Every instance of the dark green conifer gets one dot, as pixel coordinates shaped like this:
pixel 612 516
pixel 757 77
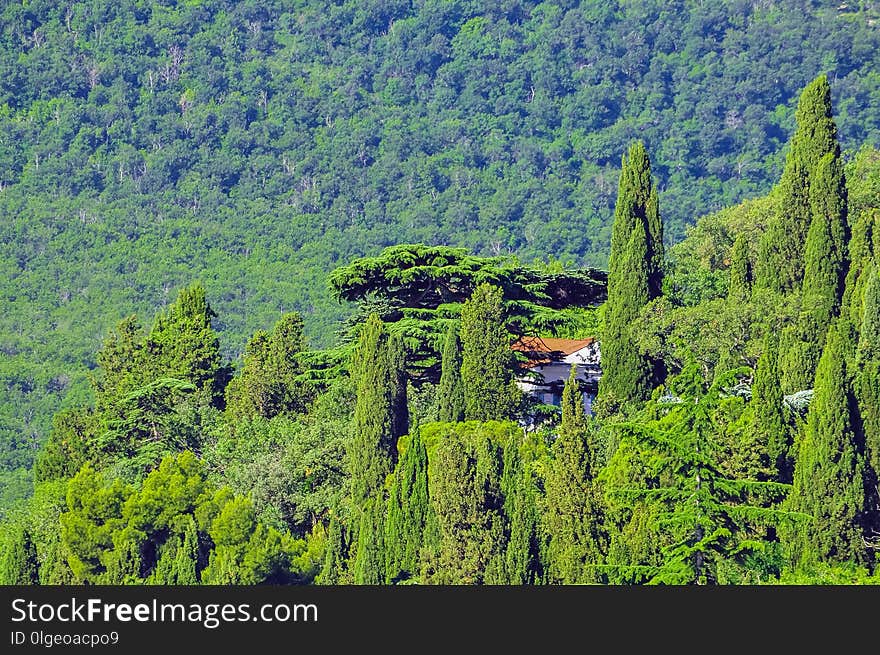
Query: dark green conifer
pixel 572 515
pixel 522 558
pixel 450 393
pixel 635 277
pixel 408 506
pixel 183 345
pixel 829 473
pixel 369 563
pixel 378 416
pixel 487 360
pixel 868 376
pixel 825 268
pixel 770 427
pixel 781 261
pixel 268 384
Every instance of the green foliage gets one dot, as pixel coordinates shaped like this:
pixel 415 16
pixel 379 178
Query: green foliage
pixel 465 467
pixel 781 265
pixel 867 380
pixel 18 560
pixel 183 345
pixel 522 559
pixel 829 474
pixel 675 514
pixel 487 362
pixel 450 392
pixel 175 527
pixel 379 415
pixel 740 286
pixel 634 278
pixel 771 429
pixel 270 382
pixel 572 511
pixel 408 510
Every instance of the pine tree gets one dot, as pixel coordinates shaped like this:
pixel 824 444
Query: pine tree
pixel 18 563
pixel 487 359
pixel 770 427
pixel 183 345
pixel 572 513
pixel 740 287
pixel 408 507
pixel 635 277
pixel 451 392
pixel 829 474
pixel 781 262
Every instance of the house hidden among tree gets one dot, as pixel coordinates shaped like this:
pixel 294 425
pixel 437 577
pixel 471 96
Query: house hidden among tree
pixel 548 363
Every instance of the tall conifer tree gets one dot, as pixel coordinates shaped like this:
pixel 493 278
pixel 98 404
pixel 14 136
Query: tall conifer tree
pixel 18 562
pixel 380 419
pixel 781 263
pixel 868 377
pixel 182 344
pixel 451 392
pixel 487 360
pixel 740 287
pixel 635 277
pixel 771 430
pixel 829 474
pixel 408 508
pixel 573 520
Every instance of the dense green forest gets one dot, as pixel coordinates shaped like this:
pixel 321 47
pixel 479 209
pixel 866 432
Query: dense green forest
pixel 257 146
pixel 735 438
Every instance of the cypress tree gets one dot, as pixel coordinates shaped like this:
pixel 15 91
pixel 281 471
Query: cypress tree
pixel 487 360
pixel 268 384
pixel 522 558
pixel 829 474
pixel 572 516
pixel 825 267
pixel 334 568
pixel 635 277
pixel 740 287
pixel 378 417
pixel 451 391
pixel 781 264
pixel 369 563
pixel 770 427
pixel 864 251
pixel 408 506
pixel 19 564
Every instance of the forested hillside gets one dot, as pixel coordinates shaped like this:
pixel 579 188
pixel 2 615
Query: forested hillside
pixel 257 146
pixel 735 438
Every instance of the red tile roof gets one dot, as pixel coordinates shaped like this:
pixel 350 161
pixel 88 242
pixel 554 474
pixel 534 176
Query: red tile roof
pixel 543 350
